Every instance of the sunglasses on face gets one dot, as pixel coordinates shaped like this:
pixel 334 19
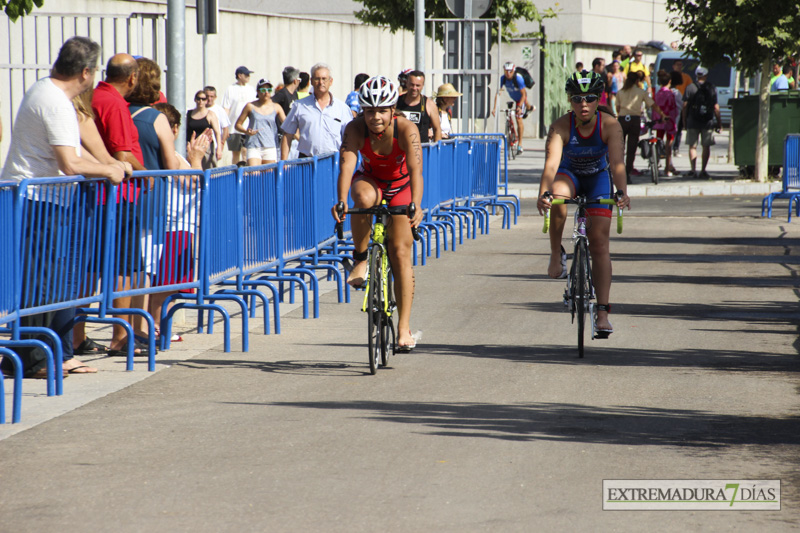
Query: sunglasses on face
pixel 265 90
pixel 588 98
pixel 201 98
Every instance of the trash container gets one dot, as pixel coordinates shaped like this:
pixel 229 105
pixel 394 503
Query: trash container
pixel 784 118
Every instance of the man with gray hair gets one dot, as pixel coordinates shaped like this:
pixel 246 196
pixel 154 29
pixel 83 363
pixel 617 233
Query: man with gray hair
pixel 46 140
pixel 319 118
pixel 288 94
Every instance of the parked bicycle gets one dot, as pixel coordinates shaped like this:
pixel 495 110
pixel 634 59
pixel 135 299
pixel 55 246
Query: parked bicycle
pixel 579 293
pixel 512 140
pixel 379 298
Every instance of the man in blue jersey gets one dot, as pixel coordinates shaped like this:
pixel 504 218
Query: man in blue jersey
pixel 514 84
pixel 584 155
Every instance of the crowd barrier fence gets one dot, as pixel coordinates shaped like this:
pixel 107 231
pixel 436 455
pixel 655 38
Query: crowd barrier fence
pixel 198 237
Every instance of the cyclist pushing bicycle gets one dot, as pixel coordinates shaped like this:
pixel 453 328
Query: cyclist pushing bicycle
pixel 391 170
pixel 584 156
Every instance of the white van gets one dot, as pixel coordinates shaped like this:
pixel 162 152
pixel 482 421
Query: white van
pixel 721 75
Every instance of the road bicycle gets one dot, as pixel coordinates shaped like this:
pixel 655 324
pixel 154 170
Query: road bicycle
pixel 652 149
pixel 512 141
pixel 579 293
pixel 379 299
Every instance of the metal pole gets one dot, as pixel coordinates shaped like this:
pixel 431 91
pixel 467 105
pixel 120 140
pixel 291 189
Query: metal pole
pixel 176 62
pixel 419 35
pixel 467 45
pixel 205 59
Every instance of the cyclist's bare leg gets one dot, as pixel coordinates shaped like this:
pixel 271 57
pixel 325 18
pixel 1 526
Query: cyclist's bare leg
pixel 365 194
pixel 520 131
pixel 562 188
pixel 598 230
pixel 400 243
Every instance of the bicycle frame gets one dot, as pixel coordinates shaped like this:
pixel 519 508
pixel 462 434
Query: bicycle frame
pixel 579 293
pixel 379 301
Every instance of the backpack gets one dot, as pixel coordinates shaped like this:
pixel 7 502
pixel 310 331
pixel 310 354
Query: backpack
pixel 526 77
pixel 701 104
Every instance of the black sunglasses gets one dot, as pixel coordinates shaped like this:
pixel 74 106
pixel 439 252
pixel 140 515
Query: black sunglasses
pixel 588 98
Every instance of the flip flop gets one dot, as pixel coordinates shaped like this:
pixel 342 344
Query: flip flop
pixel 75 370
pixel 42 374
pixel 90 347
pixel 406 348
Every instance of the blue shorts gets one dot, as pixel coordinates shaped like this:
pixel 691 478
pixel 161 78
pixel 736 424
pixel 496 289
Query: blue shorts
pixel 593 186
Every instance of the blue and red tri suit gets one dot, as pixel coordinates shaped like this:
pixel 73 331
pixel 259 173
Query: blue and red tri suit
pixel 584 161
pixel 388 172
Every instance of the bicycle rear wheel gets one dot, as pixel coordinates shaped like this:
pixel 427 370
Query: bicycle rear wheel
pixel 581 291
pixel 511 136
pixel 654 163
pixel 374 308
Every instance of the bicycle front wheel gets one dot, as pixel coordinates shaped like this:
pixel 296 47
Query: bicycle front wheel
pixel 374 307
pixel 581 291
pixel 387 326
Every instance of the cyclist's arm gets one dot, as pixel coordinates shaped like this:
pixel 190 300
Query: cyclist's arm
pixel 496 96
pixel 408 139
pixel 612 133
pixel 554 146
pixel 352 141
pixel 436 124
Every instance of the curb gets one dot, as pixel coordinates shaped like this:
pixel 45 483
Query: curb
pixel 711 188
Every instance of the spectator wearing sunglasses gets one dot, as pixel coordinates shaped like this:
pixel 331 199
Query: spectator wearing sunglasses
pixel 584 157
pixel 629 108
pixel 199 120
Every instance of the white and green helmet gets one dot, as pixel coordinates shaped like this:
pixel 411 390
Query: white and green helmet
pixel 584 82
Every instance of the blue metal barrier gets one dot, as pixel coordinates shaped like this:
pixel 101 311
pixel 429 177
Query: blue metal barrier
pixel 62 251
pixel 10 287
pixel 220 251
pixel 790 188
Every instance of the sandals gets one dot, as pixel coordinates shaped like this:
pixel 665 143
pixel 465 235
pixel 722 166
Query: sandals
pixel 598 332
pixel 139 350
pixel 90 347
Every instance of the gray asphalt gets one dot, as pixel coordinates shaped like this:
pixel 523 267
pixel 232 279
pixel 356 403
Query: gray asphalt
pixel 492 424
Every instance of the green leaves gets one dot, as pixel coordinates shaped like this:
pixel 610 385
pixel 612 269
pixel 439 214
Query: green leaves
pixel 745 31
pixel 17 8
pixel 399 14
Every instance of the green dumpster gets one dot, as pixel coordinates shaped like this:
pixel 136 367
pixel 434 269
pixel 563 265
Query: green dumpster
pixel 784 118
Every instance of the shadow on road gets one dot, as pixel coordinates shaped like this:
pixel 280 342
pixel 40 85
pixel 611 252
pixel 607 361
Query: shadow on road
pixel 625 425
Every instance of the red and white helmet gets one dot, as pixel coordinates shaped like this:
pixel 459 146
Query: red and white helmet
pixel 509 66
pixel 378 91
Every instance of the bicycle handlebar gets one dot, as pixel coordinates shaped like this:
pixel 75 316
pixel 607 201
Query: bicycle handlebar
pixel 410 210
pixel 582 200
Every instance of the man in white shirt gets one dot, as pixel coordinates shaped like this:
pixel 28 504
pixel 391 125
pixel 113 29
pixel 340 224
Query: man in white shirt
pixel 318 117
pixel 222 116
pixel 235 98
pixel 45 141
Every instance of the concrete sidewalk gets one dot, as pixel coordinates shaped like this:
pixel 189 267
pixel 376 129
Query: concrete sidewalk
pixel 525 171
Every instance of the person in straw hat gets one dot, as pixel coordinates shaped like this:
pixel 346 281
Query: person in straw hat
pixel 445 99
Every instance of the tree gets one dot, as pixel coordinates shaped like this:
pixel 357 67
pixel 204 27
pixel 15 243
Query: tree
pixel 751 33
pixel 17 8
pixel 399 15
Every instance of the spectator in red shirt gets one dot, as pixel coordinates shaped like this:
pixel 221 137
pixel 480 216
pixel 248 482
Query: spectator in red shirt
pixel 116 127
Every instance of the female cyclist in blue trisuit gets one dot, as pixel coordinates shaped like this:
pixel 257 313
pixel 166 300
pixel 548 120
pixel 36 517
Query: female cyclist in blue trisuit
pixel 584 155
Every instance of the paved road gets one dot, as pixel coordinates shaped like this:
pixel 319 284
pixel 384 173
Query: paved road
pixel 493 424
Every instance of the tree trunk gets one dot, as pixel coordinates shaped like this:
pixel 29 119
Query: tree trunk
pixel 762 134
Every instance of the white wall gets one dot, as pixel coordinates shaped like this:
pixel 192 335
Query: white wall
pixel 606 22
pixel 263 43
